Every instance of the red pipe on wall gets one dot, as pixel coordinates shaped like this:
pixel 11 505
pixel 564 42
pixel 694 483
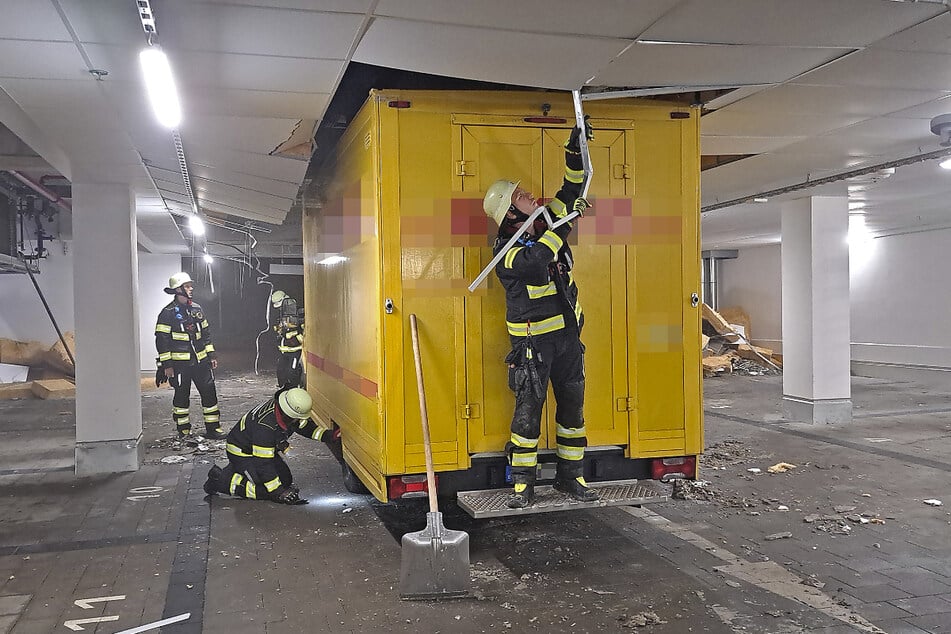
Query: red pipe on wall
pixel 42 191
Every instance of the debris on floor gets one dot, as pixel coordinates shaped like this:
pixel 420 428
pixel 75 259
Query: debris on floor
pixel 775 536
pixel 641 619
pixel 933 502
pixel 727 349
pixel 781 467
pixel 173 459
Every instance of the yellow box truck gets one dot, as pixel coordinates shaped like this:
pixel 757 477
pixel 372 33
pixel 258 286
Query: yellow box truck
pixel 399 229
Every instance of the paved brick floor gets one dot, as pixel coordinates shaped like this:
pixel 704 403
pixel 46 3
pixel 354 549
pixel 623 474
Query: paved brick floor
pixel 71 547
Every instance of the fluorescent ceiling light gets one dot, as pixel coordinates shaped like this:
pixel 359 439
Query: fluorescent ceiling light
pixel 333 259
pixel 208 259
pixel 858 204
pixel 160 86
pixel 945 164
pixel 196 225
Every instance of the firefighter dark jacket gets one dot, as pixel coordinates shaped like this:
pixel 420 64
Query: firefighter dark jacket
pixel 261 434
pixel 182 336
pixel 291 336
pixel 540 292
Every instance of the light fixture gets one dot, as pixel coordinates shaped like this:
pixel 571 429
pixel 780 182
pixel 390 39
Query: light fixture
pixel 945 164
pixel 760 199
pixel 332 259
pixel 208 259
pixel 857 204
pixel 196 225
pixel 160 86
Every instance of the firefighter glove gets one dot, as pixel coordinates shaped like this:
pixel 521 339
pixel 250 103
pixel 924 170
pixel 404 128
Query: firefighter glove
pixel 572 145
pixel 580 205
pixel 160 377
pixel 288 495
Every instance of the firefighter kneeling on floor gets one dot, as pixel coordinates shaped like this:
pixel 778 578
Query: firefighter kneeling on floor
pixel 256 468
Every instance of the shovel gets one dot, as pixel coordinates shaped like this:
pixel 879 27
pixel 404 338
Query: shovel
pixel 435 561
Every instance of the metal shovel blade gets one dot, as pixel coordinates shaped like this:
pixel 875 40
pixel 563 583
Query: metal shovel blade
pixel 435 562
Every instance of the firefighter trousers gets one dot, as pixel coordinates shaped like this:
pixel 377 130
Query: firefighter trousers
pixel 557 357
pixel 204 379
pixel 242 479
pixel 289 369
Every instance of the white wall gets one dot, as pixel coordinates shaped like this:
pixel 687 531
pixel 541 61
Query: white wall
pixel 23 318
pixel 753 281
pixel 901 304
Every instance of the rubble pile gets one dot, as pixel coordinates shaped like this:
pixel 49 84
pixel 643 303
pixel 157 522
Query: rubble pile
pixel 726 346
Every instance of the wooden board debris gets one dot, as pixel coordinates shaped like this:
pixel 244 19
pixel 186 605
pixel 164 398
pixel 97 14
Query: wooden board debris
pixel 10 391
pixel 54 389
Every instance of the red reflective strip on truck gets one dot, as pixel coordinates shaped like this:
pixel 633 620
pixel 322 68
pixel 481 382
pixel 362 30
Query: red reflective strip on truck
pixel 360 385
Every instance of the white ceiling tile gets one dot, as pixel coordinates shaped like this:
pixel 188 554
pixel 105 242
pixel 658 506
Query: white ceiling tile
pixel 546 61
pixel 710 144
pixel 273 167
pixel 934 36
pixel 926 111
pixel 841 100
pixel 240 196
pixel 41 60
pixel 343 6
pixel 847 23
pixel 880 68
pixel 257 103
pixel 728 122
pixel 250 134
pixel 609 18
pixel 32 20
pixel 672 65
pixel 282 188
pixel 109 21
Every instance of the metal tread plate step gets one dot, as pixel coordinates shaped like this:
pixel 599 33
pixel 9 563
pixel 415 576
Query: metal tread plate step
pixel 492 502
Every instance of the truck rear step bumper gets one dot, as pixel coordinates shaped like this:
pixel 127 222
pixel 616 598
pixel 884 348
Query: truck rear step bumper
pixel 492 502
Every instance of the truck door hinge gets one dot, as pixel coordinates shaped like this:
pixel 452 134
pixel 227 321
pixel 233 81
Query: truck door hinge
pixel 465 168
pixel 470 410
pixel 626 404
pixel 621 170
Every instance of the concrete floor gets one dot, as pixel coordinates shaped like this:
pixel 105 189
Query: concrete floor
pixel 746 553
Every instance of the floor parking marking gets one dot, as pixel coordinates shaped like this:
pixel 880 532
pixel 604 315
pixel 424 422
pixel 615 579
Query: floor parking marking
pixel 157 624
pixel 76 625
pixel 143 493
pixel 87 603
pixel 767 575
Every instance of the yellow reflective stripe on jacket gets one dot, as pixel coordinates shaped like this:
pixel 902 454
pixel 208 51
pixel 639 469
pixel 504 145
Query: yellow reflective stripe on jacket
pixel 250 491
pixel 181 356
pixel 209 348
pixel 578 312
pixel 289 348
pixel 262 452
pixel 204 323
pixel 566 452
pixel 522 441
pixel 538 327
pixel 557 207
pixel 235 450
pixel 181 411
pixel 524 459
pixel 180 336
pixel 163 328
pixel 573 176
pixel 510 257
pixel 552 241
pixel 235 483
pixel 534 292
pixel 201 355
pixel 270 485
pixel 165 356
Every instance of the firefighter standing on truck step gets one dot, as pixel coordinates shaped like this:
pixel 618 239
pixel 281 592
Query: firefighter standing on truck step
pixel 256 468
pixel 544 320
pixel 186 355
pixel 290 330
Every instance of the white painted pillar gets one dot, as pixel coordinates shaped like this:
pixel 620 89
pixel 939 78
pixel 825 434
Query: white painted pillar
pixel 105 288
pixel 815 278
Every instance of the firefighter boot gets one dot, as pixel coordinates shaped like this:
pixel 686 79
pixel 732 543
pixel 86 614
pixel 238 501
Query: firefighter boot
pixel 213 432
pixel 523 493
pixel 214 477
pixel 577 489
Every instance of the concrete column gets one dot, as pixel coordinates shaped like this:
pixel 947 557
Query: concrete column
pixel 105 275
pixel 815 274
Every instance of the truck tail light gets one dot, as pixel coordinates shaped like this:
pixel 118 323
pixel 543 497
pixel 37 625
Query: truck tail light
pixel 408 486
pixel 682 467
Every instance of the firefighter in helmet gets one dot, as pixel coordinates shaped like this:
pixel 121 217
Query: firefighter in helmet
pixel 290 329
pixel 186 355
pixel 256 468
pixel 544 320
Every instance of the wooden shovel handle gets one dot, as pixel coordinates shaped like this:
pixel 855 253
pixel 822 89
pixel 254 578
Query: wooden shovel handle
pixel 423 414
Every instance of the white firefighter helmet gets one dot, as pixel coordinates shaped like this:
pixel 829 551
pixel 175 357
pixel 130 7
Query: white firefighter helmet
pixel 178 279
pixel 295 402
pixel 277 298
pixel 498 199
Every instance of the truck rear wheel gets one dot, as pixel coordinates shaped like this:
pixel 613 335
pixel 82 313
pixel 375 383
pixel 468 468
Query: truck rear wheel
pixel 351 482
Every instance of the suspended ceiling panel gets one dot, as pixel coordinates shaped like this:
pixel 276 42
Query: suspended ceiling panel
pixel 733 122
pixel 834 100
pixel 933 36
pixel 802 23
pixel 879 68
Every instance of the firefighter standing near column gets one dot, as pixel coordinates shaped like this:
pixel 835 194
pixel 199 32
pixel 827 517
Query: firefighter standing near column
pixel 544 320
pixel 186 355
pixel 290 329
pixel 256 468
